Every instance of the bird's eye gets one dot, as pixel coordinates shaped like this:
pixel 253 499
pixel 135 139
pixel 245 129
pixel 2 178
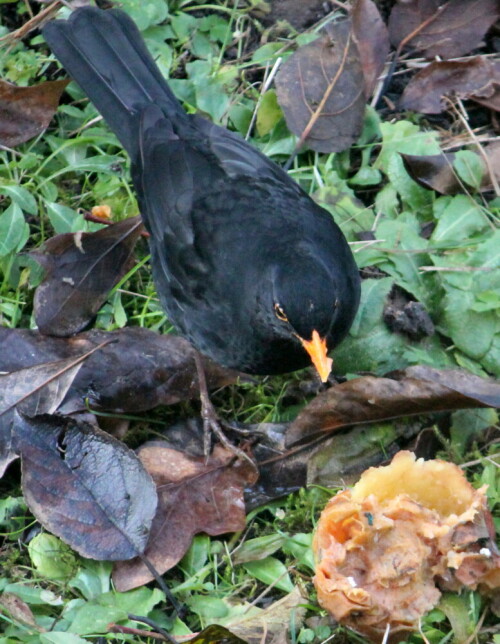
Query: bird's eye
pixel 280 314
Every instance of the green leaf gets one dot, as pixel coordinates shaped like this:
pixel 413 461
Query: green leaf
pixel 300 547
pixel 22 197
pixel 61 638
pixel 469 167
pixel 197 555
pixel 93 578
pixel 458 218
pixel 268 113
pixel 468 423
pixel 94 618
pixel 34 596
pixel 471 332
pixel 456 610
pixel 145 14
pixel 258 548
pixel 64 219
pixel 51 557
pixel 406 137
pixel 270 571
pixel 13 230
pixel 210 608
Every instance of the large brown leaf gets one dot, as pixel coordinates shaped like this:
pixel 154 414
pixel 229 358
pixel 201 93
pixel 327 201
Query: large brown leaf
pixel 27 111
pixel 465 79
pixel 416 390
pixel 446 29
pixel 85 486
pixel 137 370
pixel 372 39
pixel 320 89
pixel 195 494
pixel 81 269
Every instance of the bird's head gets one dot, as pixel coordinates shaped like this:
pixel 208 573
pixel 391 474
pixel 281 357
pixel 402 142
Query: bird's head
pixel 307 307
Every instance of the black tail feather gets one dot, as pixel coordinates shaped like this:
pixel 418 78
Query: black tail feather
pixel 104 53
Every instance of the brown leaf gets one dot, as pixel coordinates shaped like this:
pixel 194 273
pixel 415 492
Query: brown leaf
pixel 434 172
pixel 447 29
pixel 425 92
pixel 215 634
pixel 27 111
pixel 138 370
pixel 195 494
pixel 81 269
pixel 85 486
pixel 19 610
pixel 372 39
pixel 416 390
pixel 320 89
pixel 489 96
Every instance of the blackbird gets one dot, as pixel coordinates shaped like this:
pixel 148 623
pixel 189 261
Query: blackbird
pixel 247 266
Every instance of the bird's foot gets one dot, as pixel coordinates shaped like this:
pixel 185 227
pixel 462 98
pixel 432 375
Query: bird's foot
pixel 211 420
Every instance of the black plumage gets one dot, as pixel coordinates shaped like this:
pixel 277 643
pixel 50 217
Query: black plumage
pixel 247 266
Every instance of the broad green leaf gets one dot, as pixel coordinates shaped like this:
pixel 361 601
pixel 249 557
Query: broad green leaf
pixel 458 218
pixel 64 219
pixel 300 547
pixel 373 296
pixel 469 167
pixel 12 229
pixel 210 608
pixel 471 332
pixel 22 197
pixel 33 595
pixel 93 578
pixel 270 571
pixel 418 199
pixel 94 618
pixel 145 14
pixel 405 137
pixel 51 557
pixel 197 555
pixel 268 113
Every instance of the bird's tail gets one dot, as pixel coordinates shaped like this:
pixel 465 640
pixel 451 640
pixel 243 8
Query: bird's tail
pixel 104 53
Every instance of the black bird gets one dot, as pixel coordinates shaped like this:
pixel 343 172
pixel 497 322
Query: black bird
pixel 248 268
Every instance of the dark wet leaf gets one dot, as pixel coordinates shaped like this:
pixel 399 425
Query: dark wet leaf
pixel 446 29
pixel 416 390
pixel 195 494
pixel 465 79
pixel 34 390
pixel 216 634
pixel 138 370
pixel 27 111
pixel 85 486
pixel 372 39
pixel 81 269
pixel 320 89
pixel 434 172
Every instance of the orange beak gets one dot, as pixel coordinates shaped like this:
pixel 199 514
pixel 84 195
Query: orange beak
pixel 317 349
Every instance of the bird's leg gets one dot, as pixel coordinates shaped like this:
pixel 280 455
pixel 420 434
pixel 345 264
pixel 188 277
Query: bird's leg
pixel 211 422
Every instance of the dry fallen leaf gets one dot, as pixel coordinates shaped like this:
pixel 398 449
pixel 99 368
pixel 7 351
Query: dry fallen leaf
pixel 81 269
pixel 372 39
pixel 446 29
pixel 415 390
pixel 195 494
pixel 27 111
pixel 465 79
pixel 385 546
pixel 320 89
